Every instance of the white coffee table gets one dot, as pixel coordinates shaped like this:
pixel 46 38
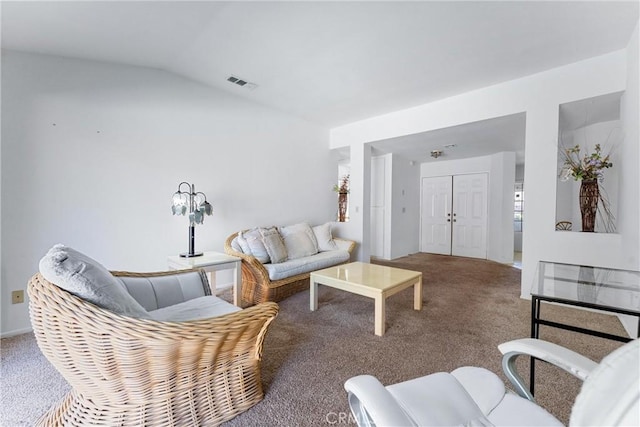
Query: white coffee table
pixel 212 262
pixel 369 280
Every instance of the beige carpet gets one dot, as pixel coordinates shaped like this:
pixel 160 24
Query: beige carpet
pixel 470 306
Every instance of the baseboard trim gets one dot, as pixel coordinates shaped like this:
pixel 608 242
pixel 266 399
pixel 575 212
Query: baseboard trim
pixel 15 332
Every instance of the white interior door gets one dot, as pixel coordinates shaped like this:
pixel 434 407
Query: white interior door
pixel 436 215
pixel 469 216
pixel 378 206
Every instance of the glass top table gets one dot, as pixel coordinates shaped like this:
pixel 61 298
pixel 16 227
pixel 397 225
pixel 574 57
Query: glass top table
pixel 606 289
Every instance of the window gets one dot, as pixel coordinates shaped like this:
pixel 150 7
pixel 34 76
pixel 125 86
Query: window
pixel 518 206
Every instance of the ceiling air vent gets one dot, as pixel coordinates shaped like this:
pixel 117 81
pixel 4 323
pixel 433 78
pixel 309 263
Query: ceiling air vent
pixel 242 83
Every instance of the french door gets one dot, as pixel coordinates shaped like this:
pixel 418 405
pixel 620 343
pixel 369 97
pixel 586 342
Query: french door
pixel 454 215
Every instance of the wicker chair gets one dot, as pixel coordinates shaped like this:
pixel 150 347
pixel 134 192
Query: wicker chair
pixel 131 372
pixel 257 287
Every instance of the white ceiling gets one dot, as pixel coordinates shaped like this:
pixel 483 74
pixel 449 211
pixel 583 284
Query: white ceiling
pixel 459 142
pixel 329 62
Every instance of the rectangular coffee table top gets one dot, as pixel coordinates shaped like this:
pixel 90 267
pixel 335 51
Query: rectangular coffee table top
pixel 368 275
pixel 369 280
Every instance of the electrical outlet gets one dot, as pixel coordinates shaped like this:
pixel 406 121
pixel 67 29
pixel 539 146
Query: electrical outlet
pixel 17 297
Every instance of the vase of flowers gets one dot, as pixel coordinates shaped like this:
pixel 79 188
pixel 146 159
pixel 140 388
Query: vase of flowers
pixel 587 169
pixel 343 190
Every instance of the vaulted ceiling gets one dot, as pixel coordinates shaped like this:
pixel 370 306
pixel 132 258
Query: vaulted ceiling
pixel 331 63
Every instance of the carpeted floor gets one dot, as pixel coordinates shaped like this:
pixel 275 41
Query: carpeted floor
pixel 470 306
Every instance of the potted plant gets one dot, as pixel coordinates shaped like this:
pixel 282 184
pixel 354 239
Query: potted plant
pixel 587 169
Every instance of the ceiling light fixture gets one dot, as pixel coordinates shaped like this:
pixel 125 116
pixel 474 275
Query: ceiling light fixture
pixel 436 153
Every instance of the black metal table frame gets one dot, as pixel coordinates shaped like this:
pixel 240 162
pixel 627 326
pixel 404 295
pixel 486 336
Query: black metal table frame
pixel 536 321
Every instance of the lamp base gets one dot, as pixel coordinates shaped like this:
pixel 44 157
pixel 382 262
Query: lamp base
pixel 188 255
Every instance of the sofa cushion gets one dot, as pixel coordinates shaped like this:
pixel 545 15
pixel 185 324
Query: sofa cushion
pixel 253 238
pixel 244 245
pixel 274 245
pixel 299 240
pixel 86 278
pixel 307 264
pixel 324 237
pixel 194 309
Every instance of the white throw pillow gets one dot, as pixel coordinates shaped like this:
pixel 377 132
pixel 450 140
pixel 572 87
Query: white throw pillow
pixel 235 245
pixel 242 242
pixel 274 245
pixel 254 241
pixel 324 237
pixel 299 240
pixel 86 278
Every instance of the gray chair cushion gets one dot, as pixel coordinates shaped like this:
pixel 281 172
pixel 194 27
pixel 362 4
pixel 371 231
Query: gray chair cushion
pixel 154 292
pixel 199 308
pixel 86 278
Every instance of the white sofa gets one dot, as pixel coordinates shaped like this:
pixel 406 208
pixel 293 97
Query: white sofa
pixel 277 261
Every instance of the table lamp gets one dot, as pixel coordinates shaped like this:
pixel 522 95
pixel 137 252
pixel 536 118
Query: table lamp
pixel 196 205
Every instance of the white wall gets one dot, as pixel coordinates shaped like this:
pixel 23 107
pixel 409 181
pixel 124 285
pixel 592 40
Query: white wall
pixel 629 190
pixel 609 135
pixel 500 169
pixel 629 153
pixel 357 229
pixel 539 96
pixel 92 152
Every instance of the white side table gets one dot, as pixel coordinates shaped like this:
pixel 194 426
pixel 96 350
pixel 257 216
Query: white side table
pixel 212 262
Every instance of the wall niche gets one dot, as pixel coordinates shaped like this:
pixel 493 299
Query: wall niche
pixel 585 124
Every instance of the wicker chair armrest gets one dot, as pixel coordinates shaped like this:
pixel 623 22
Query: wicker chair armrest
pixel 247 324
pixel 107 322
pixel 256 267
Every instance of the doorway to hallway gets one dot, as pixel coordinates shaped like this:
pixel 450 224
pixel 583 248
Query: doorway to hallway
pixel 454 215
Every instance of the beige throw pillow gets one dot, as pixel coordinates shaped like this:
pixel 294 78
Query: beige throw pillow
pixel 299 240
pixel 273 244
